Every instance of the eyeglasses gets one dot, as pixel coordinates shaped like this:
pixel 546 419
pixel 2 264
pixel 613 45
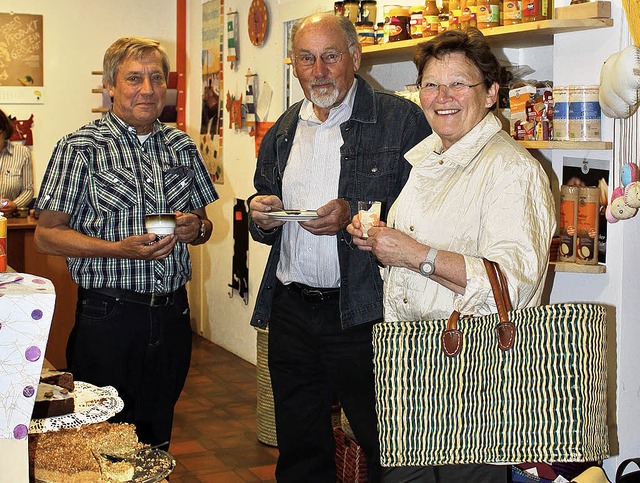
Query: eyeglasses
pixel 431 88
pixel 328 58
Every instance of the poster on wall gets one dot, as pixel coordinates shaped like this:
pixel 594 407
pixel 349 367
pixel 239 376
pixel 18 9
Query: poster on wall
pixel 212 86
pixel 21 59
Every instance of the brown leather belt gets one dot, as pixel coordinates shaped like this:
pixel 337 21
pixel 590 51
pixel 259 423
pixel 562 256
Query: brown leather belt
pixel 150 299
pixel 312 294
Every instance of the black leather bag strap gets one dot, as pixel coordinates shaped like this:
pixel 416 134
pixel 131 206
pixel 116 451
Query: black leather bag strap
pixel 633 477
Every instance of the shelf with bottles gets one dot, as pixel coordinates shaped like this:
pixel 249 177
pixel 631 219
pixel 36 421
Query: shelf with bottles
pixel 527 34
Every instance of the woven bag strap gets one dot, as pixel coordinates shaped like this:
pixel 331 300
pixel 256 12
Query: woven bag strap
pixel 451 338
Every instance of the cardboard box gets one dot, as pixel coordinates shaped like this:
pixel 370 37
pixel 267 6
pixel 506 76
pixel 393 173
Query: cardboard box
pixel 584 10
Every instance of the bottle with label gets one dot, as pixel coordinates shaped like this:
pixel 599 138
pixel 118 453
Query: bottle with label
pixel 568 220
pixel 430 18
pixel 588 224
pixel 469 15
pixel 534 10
pixel 455 14
pixel 443 19
pixel 511 12
pixel 488 14
pixel 3 243
pixel 416 21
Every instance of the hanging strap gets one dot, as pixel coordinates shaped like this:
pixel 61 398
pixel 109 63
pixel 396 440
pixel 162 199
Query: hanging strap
pixel 451 337
pixel 621 468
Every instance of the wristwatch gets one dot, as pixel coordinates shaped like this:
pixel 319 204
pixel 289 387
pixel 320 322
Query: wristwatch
pixel 203 230
pixel 429 265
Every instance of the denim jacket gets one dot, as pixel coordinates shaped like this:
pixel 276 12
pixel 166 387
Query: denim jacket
pixel 382 128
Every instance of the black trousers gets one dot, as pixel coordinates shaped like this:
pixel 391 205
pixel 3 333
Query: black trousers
pixel 448 474
pixel 144 352
pixel 310 359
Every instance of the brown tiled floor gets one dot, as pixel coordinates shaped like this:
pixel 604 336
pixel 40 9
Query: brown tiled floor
pixel 214 432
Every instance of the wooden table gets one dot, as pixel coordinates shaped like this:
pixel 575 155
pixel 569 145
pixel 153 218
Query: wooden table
pixel 22 257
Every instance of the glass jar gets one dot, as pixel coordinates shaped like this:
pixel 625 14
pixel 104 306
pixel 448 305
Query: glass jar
pixel 338 8
pixel 488 14
pixel 399 24
pixel 352 11
pixel 469 15
pixel 416 21
pixel 511 12
pixel 534 10
pixel 366 35
pixel 386 11
pixel 430 18
pixel 380 33
pixel 368 11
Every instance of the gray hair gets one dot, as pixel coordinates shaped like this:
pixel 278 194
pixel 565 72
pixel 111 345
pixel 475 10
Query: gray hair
pixel 126 48
pixel 343 22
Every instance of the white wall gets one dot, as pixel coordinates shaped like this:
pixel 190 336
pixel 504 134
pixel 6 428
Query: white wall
pixel 76 34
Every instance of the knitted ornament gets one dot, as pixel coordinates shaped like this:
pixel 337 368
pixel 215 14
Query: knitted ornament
pixel 618 208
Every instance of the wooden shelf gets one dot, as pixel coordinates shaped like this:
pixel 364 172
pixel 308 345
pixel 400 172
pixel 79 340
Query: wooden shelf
pixel 508 36
pixel 530 34
pixel 100 109
pixel 576 268
pixel 582 145
pixel 97 91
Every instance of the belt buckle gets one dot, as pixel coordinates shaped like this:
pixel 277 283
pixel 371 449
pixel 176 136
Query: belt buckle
pixel 159 300
pixel 313 295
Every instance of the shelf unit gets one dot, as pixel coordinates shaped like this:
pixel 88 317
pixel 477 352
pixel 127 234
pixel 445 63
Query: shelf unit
pixel 582 145
pixel 528 34
pixel 576 268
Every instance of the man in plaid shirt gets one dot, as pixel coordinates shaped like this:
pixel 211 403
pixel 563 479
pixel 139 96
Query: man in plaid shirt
pixel 132 327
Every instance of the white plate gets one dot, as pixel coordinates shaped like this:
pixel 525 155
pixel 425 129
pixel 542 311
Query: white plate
pixel 293 215
pixel 93 405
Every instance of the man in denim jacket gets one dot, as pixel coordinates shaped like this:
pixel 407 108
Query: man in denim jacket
pixel 320 295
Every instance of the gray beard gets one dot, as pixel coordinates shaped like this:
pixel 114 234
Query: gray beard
pixel 325 100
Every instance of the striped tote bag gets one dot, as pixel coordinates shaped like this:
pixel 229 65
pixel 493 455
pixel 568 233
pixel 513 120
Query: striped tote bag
pixel 519 385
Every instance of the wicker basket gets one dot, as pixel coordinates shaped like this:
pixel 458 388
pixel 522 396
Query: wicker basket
pixel 351 465
pixel 265 414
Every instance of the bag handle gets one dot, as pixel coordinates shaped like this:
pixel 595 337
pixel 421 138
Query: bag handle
pixel 451 338
pixel 622 467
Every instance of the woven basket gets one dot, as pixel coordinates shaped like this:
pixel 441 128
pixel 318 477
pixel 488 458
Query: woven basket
pixel 351 465
pixel 265 414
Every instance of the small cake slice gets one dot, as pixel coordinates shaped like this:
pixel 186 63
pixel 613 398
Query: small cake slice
pixel 57 378
pixel 52 401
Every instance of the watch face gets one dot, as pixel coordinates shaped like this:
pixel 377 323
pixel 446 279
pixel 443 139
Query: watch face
pixel 427 268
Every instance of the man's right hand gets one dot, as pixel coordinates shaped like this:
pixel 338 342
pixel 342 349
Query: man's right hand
pixel 262 204
pixel 145 247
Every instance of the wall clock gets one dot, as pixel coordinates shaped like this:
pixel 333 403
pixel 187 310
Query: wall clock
pixel 258 21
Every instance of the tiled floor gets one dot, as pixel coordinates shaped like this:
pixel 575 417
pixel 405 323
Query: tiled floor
pixel 214 432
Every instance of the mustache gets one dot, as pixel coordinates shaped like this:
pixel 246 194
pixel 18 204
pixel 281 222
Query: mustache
pixel 322 82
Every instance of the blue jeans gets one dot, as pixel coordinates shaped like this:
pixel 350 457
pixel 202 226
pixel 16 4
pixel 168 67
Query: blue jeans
pixel 144 352
pixel 310 359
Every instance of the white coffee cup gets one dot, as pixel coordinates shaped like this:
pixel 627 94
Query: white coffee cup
pixel 162 224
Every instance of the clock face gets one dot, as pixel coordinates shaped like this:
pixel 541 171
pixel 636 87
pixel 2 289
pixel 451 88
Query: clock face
pixel 258 20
